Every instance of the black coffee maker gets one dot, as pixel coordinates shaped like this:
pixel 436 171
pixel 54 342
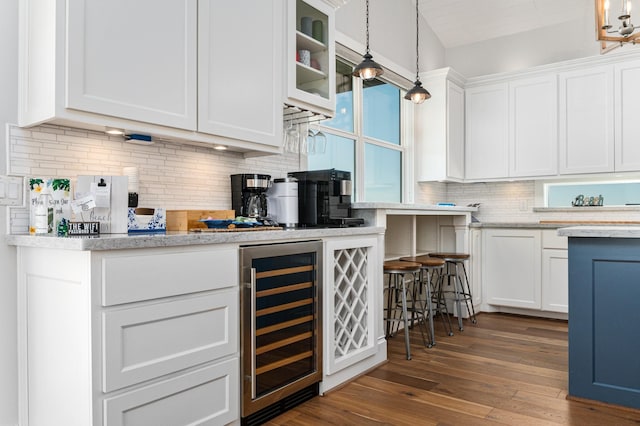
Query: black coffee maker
pixel 324 198
pixel 248 194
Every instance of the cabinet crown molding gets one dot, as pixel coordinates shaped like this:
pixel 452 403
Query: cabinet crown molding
pixel 447 73
pixel 569 65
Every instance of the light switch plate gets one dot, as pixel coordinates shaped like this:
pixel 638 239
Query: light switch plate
pixel 11 190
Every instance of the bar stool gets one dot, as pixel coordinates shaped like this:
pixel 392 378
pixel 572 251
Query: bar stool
pixel 397 270
pixel 428 266
pixel 462 290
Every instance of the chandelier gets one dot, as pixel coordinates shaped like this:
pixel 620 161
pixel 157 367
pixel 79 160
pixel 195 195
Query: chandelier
pixel 615 30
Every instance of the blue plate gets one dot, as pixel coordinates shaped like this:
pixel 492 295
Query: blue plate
pixel 217 223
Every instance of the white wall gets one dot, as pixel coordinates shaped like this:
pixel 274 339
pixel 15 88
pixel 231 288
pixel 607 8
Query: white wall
pixel 576 39
pixel 8 114
pixel 392 33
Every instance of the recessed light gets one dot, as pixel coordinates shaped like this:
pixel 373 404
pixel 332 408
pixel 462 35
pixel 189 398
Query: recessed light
pixel 220 147
pixel 114 131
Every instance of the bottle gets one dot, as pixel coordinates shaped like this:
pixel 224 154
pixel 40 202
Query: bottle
pixel 43 218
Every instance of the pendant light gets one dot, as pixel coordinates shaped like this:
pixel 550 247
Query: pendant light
pixel 368 68
pixel 417 94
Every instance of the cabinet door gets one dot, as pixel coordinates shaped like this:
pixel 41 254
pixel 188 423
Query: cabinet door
pixel 511 267
pixel 240 69
pixel 311 86
pixel 586 121
pixel 455 131
pixel 145 342
pixel 486 144
pixel 627 127
pixel 133 60
pixel 208 396
pixel 533 126
pixel 351 299
pixel 555 280
pixel 439 131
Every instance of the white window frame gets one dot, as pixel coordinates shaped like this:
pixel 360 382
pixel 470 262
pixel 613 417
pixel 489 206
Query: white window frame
pixel 406 146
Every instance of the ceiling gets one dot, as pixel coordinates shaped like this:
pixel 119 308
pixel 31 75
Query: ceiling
pixel 461 22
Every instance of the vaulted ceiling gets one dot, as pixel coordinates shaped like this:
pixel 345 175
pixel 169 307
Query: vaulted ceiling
pixel 461 22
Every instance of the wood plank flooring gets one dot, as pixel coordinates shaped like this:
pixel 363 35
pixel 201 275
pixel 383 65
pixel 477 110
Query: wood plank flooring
pixel 507 370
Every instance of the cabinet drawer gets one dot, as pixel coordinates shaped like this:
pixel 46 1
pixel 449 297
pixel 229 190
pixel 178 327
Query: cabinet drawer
pixel 149 341
pixel 206 396
pixel 551 239
pixel 134 277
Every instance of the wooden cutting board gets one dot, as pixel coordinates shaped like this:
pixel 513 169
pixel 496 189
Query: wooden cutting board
pixel 256 228
pixel 183 220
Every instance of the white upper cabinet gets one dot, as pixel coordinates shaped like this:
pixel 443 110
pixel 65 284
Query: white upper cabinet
pixel 199 70
pixel 512 129
pixel 533 126
pixel 586 120
pixel 439 127
pixel 239 69
pixel 311 80
pixel 627 125
pixel 487 132
pixel 134 60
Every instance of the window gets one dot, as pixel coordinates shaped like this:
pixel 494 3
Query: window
pixel 365 137
pixel 613 193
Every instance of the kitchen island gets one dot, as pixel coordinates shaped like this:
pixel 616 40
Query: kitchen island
pixel 129 329
pixel 604 296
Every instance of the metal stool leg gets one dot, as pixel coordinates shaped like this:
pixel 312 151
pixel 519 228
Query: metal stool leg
pixel 429 307
pixel 467 296
pixel 441 302
pixel 405 317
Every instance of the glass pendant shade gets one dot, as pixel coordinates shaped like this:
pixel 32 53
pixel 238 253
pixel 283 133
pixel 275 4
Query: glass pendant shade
pixel 367 69
pixel 417 94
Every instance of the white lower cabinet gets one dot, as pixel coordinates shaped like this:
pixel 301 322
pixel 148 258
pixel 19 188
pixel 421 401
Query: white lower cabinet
pixel 202 397
pixel 128 337
pixel 512 268
pixel 555 272
pixel 525 269
pixel 354 339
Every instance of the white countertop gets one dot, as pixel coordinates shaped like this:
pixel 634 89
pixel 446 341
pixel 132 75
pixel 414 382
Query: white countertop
pixel 601 231
pixel 171 239
pixel 416 207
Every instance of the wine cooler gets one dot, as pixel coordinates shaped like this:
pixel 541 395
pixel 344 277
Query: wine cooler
pixel 281 344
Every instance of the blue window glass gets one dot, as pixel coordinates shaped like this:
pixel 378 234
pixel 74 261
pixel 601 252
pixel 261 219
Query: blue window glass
pixel 383 174
pixel 339 154
pixel 381 116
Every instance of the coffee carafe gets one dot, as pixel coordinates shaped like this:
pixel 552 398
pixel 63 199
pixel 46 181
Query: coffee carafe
pixel 248 194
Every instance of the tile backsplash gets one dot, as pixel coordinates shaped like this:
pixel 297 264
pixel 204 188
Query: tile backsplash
pixel 173 175
pixel 177 175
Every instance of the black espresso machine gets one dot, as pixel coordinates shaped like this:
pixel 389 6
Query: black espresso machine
pixel 324 198
pixel 248 194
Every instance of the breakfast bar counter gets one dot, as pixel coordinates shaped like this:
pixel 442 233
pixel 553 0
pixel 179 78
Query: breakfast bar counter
pixel 604 293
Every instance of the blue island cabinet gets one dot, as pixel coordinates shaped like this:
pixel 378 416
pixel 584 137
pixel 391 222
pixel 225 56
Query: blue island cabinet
pixel 604 320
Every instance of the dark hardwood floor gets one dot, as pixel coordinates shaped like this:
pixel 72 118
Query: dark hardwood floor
pixel 508 370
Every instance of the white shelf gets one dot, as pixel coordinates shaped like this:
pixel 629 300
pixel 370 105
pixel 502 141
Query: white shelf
pixel 303 41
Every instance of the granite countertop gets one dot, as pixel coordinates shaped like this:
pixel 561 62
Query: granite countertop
pixel 417 207
pixel 519 225
pixel 618 231
pixel 176 238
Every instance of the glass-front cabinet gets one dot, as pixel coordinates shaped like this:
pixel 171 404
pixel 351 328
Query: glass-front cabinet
pixel 310 56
